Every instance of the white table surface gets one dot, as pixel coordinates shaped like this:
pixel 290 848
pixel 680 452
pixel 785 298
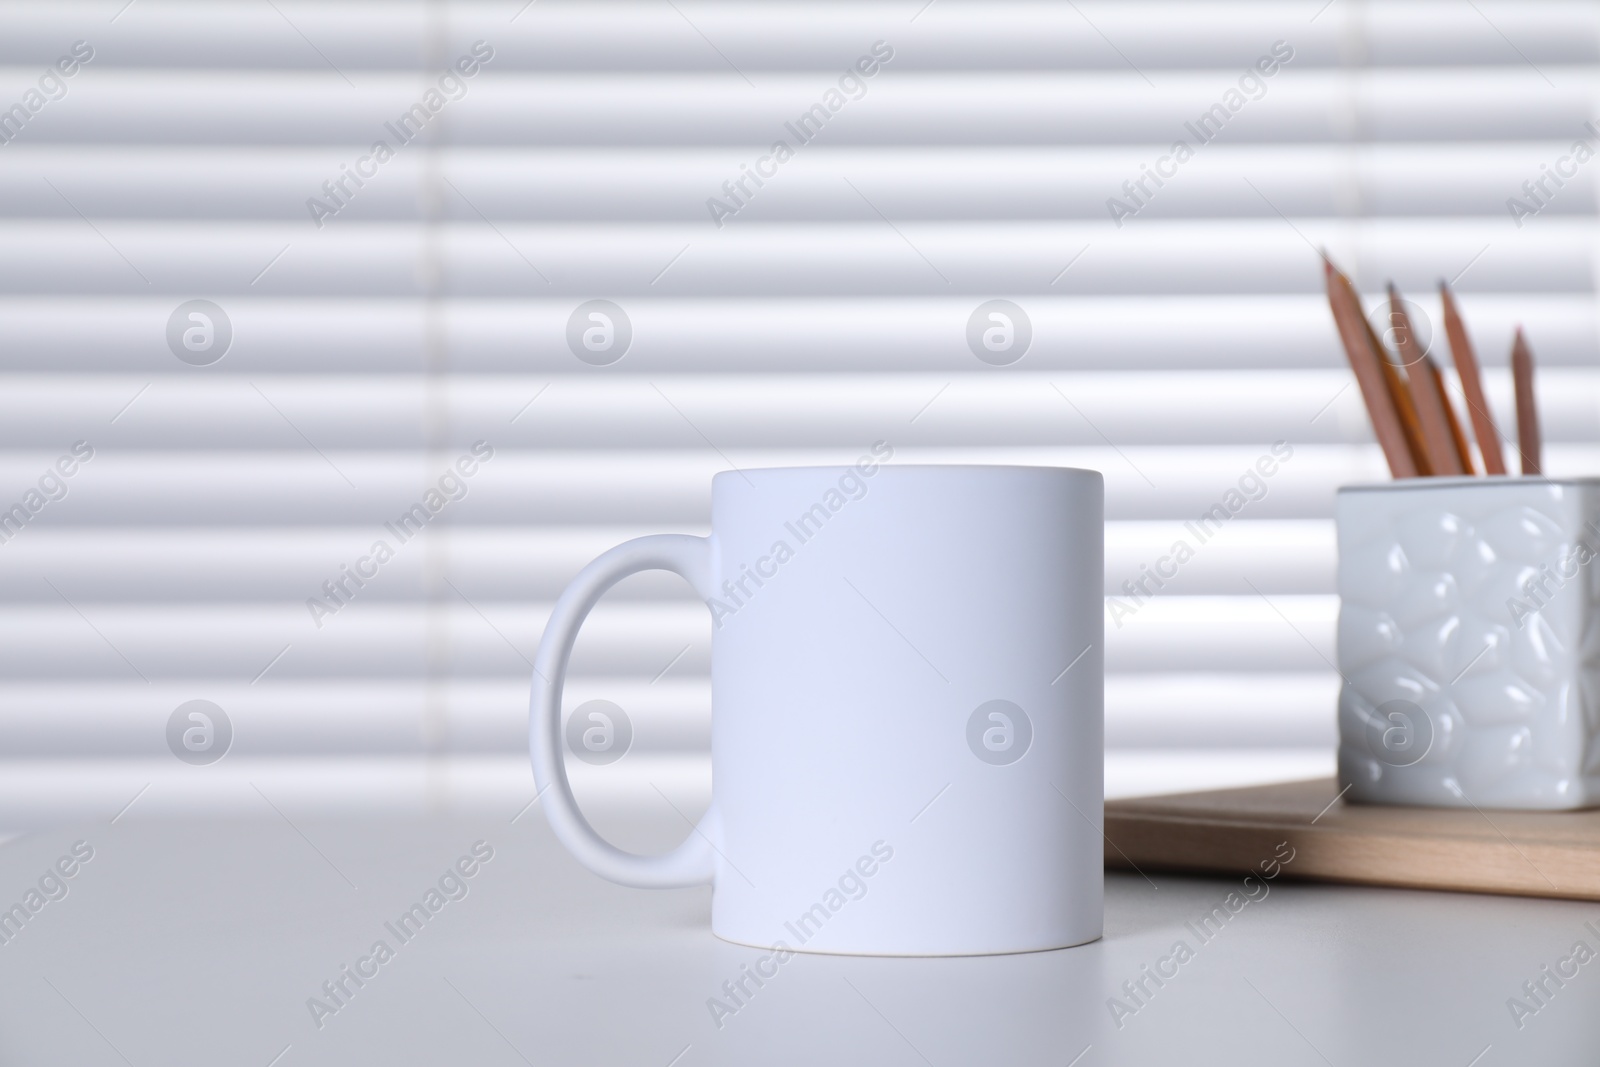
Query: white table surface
pixel 199 942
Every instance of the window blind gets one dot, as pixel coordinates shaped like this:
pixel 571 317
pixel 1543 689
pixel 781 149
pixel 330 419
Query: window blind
pixel 276 340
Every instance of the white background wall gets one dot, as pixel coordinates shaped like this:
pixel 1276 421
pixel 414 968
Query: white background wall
pixel 829 312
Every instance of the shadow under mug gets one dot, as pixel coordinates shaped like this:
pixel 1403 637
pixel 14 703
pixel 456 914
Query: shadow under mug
pixel 907 708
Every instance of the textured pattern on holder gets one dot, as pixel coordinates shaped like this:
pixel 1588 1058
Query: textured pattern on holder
pixel 1469 686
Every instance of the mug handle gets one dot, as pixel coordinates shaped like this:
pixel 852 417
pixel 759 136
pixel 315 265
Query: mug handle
pixel 692 862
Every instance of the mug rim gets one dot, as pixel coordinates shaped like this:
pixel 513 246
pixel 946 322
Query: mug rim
pixel 888 466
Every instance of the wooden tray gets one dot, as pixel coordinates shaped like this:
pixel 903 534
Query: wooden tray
pixel 1520 853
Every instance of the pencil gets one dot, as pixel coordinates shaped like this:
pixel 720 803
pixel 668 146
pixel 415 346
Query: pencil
pixel 1472 385
pixel 1366 362
pixel 1434 428
pixel 1463 450
pixel 1399 390
pixel 1394 380
pixel 1528 442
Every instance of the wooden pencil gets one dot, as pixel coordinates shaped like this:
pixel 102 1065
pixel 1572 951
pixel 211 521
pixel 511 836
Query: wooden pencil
pixel 1400 389
pixel 1463 449
pixel 1394 379
pixel 1528 443
pixel 1472 385
pixel 1433 427
pixel 1366 364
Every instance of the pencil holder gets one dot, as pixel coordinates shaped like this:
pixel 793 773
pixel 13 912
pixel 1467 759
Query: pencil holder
pixel 1469 642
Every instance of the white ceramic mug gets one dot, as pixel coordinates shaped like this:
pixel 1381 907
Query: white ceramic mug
pixel 907 708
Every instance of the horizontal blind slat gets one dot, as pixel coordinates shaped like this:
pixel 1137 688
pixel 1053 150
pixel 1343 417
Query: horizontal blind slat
pixel 559 488
pixel 778 412
pixel 785 36
pixel 752 337
pixel 1168 257
pixel 125 106
pixel 519 184
pixel 662 486
pixel 345 717
pixel 239 642
pixel 489 565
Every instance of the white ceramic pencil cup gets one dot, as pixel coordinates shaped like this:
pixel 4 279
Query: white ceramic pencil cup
pixel 1469 642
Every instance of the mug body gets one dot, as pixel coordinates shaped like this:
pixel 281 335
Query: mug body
pixel 1468 632
pixel 907 706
